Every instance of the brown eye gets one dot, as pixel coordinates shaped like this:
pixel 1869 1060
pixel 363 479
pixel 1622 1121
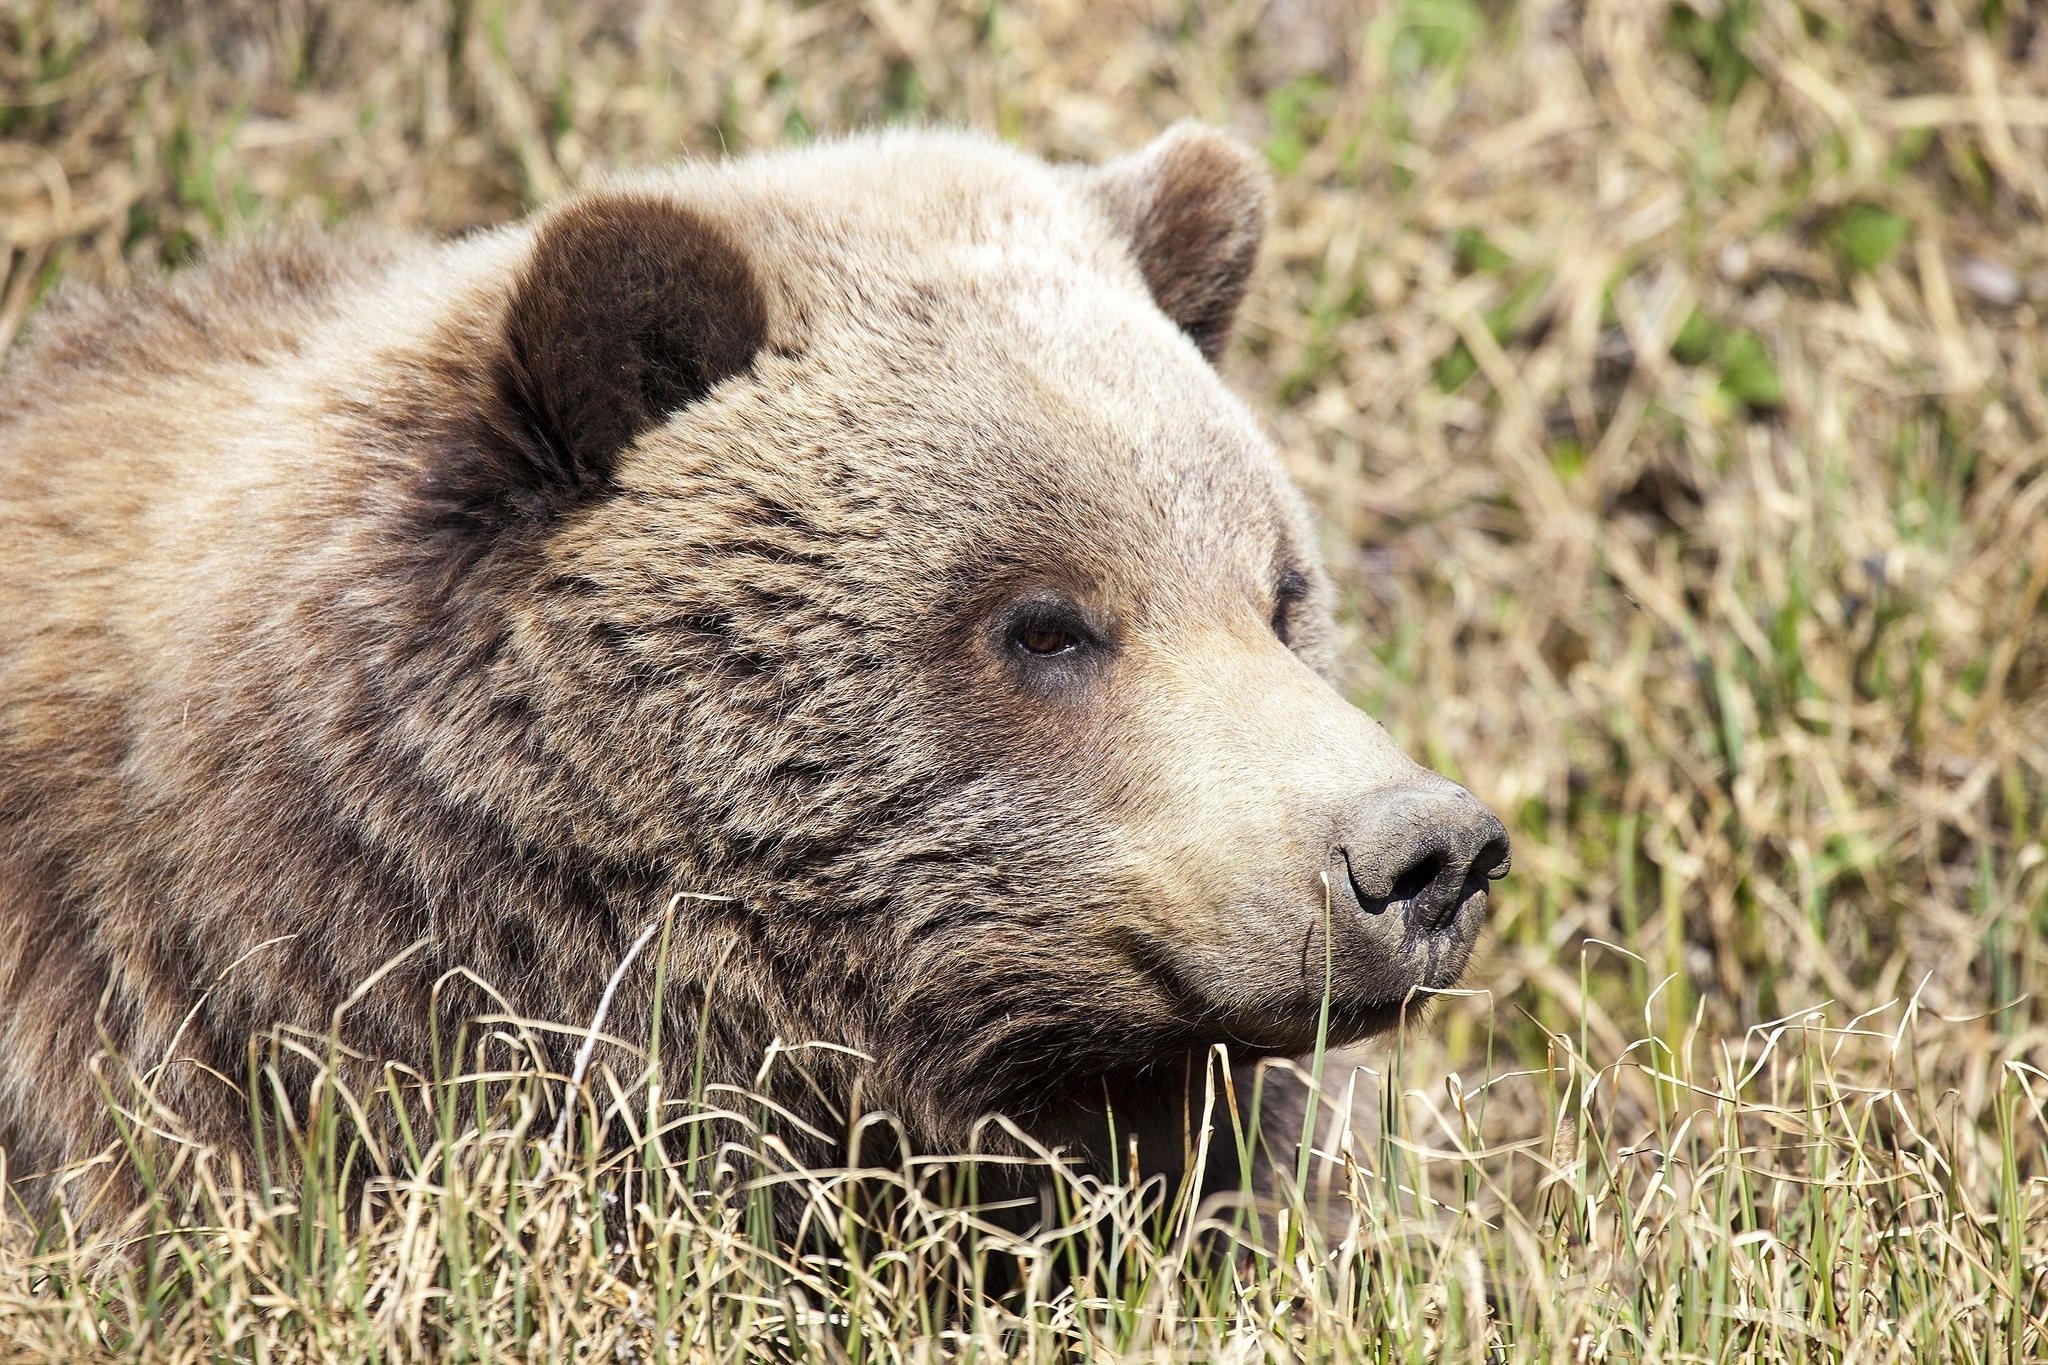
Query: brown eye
pixel 1044 640
pixel 1048 630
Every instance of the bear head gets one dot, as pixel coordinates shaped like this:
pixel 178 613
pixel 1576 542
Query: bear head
pixel 865 536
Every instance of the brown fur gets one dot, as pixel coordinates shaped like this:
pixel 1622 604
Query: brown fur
pixel 1195 212
pixel 370 592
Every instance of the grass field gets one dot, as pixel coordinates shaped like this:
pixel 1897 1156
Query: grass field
pixel 1669 379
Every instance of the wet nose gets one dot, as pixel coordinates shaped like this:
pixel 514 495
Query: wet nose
pixel 1417 854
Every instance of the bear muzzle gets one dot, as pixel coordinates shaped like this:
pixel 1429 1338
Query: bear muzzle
pixel 1407 872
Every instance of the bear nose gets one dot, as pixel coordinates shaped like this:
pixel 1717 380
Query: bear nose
pixel 1417 854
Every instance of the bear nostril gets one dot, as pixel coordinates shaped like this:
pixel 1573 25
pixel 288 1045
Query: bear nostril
pixel 1408 888
pixel 1418 878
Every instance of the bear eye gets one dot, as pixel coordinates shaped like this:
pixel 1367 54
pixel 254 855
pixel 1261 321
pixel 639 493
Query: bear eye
pixel 1047 630
pixel 1287 594
pixel 1045 641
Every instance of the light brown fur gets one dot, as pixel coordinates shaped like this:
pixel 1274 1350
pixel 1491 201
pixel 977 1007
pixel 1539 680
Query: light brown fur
pixel 323 629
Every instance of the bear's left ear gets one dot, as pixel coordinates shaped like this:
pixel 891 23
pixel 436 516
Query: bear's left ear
pixel 630 308
pixel 1193 203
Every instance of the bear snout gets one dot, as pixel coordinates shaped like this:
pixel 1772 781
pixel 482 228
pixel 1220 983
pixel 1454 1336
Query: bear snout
pixel 1408 872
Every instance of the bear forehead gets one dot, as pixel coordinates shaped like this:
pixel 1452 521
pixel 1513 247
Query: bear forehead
pixel 1102 452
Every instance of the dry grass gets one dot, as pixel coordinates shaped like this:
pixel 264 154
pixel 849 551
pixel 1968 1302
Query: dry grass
pixel 1801 1203
pixel 1670 380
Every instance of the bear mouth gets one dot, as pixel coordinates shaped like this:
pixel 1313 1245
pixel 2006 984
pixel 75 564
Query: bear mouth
pixel 1289 1019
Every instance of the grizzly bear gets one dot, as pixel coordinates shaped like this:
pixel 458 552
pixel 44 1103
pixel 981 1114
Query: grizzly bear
pixel 859 538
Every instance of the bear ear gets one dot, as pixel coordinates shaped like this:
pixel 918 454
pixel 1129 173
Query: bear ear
pixel 1193 204
pixel 630 308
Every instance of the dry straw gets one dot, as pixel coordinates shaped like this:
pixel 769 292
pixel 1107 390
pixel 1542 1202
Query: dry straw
pixel 1670 380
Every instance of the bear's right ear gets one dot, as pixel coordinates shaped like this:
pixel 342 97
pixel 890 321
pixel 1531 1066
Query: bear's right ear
pixel 630 308
pixel 1193 203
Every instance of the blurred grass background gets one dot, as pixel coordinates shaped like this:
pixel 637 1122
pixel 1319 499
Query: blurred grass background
pixel 1668 376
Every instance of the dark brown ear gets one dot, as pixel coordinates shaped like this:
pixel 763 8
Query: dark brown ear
pixel 1193 203
pixel 630 308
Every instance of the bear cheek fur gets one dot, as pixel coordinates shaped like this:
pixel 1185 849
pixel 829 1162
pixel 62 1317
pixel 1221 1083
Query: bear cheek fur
pixel 785 698
pixel 1003 895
